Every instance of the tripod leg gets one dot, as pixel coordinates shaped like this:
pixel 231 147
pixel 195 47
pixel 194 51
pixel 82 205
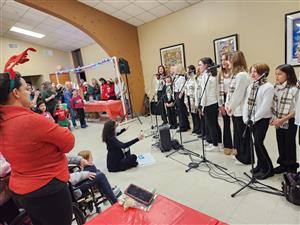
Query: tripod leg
pixel 242 188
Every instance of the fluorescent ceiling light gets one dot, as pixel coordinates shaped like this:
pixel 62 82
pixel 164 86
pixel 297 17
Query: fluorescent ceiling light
pixel 27 32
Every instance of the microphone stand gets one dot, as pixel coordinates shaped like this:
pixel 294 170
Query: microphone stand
pixel 194 165
pixel 181 147
pixel 249 128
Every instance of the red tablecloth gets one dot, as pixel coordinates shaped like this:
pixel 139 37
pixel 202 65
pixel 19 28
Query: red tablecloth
pixel 113 108
pixel 164 211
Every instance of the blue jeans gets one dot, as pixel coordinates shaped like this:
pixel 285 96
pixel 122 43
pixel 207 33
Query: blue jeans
pixel 73 116
pixel 101 182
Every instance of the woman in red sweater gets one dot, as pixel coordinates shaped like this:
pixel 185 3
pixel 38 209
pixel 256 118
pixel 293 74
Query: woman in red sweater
pixel 35 147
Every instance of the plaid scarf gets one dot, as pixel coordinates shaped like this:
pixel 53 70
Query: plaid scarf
pixel 281 107
pixel 232 87
pixel 251 99
pixel 221 91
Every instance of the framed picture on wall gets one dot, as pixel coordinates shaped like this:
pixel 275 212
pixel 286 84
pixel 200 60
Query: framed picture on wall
pixel 292 37
pixel 172 55
pixel 223 45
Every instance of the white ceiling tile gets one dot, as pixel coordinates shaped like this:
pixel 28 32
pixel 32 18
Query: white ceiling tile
pixel 44 28
pixel 146 17
pixel 194 1
pixel 105 8
pixel 176 5
pixel 160 11
pixel 118 4
pixel 133 10
pixel 24 26
pixel 134 21
pixel 29 22
pixel 146 4
pixel 52 22
pixel 121 15
pixel 91 3
pixel 34 16
pixel 15 4
pixel 15 10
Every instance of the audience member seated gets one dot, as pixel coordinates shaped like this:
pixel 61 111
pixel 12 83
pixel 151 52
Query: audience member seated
pixel 97 178
pixel 119 157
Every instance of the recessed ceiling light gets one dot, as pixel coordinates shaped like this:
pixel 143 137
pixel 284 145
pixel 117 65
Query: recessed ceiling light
pixel 27 32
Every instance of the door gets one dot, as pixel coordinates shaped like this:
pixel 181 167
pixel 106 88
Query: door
pixel 62 78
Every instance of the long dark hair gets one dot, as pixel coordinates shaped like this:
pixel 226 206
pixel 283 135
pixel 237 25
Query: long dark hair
pixel 209 62
pixel 5 89
pixel 290 73
pixel 108 130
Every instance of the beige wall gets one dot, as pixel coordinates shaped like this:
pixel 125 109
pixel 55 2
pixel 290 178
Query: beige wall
pixel 259 25
pixel 40 63
pixel 92 54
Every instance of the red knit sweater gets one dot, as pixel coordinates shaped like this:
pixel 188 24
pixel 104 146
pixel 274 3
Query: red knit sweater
pixel 35 147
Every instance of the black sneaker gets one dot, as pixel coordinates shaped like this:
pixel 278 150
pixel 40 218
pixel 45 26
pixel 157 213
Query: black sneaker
pixel 280 169
pixel 263 175
pixel 255 170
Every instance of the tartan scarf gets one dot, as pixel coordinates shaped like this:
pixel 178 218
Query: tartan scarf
pixel 281 107
pixel 232 87
pixel 251 99
pixel 221 91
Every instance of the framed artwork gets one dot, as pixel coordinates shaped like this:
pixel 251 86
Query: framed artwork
pixel 292 37
pixel 224 44
pixel 172 55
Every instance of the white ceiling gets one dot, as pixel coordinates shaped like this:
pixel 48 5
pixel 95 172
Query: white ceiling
pixel 59 34
pixel 138 12
pixel 66 37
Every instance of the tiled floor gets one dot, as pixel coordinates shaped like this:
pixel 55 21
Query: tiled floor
pixel 196 189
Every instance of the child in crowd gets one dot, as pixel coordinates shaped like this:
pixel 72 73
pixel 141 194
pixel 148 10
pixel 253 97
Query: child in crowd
pixel 170 103
pixel 62 116
pixel 43 110
pixel 78 105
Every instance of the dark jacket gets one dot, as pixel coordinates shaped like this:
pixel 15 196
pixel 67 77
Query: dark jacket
pixel 115 153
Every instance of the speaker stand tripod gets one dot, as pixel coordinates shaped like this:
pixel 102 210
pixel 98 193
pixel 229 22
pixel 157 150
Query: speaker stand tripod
pixel 133 114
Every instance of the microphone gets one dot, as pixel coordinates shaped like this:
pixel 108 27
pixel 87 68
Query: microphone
pixel 265 74
pixel 213 67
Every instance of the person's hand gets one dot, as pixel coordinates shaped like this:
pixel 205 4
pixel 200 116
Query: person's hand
pixel 84 162
pixel 228 111
pixel 141 136
pixel 91 175
pixel 222 110
pixel 52 96
pixel 277 122
pixel 37 93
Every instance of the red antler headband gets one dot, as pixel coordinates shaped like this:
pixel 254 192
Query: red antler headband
pixel 13 61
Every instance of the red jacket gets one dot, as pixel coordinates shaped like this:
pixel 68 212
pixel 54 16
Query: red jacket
pixel 77 102
pixel 61 114
pixel 104 92
pixel 35 147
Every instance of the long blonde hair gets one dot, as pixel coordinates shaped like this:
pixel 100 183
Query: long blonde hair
pixel 238 62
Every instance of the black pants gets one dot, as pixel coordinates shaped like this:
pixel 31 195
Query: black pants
pixel 161 106
pixel 101 182
pixel 211 119
pixel 242 145
pixel 172 116
pixel 129 161
pixel 286 142
pixel 49 205
pixel 81 115
pixel 260 129
pixel 181 109
pixel 227 137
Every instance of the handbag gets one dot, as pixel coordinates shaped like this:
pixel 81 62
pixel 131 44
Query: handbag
pixel 291 187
